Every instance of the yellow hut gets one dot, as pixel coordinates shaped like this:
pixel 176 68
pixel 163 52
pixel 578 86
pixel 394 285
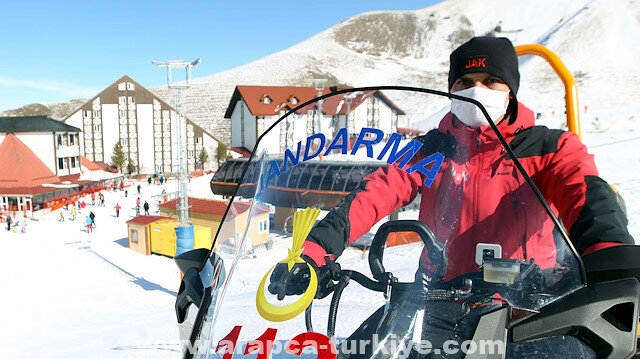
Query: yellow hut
pixel 156 234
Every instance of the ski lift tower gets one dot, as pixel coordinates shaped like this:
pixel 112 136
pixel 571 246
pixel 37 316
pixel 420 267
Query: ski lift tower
pixel 179 86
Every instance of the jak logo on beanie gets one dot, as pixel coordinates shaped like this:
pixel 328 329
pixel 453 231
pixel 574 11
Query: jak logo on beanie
pixel 494 55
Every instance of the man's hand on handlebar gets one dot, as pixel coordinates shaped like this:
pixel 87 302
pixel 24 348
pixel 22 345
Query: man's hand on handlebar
pixel 284 282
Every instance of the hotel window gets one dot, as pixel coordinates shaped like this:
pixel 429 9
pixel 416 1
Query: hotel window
pixel 134 236
pixel 86 114
pixel 96 113
pixel 122 114
pixel 62 164
pixel 130 86
pixel 122 100
pixel 73 162
pixel 132 99
pixel 97 128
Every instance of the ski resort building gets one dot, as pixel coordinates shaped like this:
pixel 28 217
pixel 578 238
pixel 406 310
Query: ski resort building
pixel 147 127
pixel 41 164
pixel 253 109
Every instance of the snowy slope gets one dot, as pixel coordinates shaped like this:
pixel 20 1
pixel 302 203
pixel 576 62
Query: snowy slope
pixel 596 38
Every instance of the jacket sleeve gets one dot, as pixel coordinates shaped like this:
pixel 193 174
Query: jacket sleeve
pixel 379 194
pixel 587 205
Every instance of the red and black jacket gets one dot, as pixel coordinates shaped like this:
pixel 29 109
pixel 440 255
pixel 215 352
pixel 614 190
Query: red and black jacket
pixel 485 183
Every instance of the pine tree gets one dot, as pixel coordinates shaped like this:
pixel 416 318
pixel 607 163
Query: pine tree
pixel 203 157
pixel 223 155
pixel 118 158
pixel 131 166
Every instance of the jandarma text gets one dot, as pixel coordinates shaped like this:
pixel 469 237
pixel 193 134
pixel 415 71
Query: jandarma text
pixel 317 144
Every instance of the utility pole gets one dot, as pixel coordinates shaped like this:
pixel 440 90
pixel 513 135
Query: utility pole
pixel 179 86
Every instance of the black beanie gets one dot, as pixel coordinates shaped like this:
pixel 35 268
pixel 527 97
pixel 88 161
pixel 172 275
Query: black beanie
pixel 495 55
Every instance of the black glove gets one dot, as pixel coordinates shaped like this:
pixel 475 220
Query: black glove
pixel 295 281
pixel 436 141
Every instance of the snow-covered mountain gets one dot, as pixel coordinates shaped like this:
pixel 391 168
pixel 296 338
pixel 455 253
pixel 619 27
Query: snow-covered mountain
pixel 596 39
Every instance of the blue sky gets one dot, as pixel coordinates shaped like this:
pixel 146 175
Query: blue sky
pixel 52 51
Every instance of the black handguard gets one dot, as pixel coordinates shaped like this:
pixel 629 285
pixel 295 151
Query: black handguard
pixel 285 282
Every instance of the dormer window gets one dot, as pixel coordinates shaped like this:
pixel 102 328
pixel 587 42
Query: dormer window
pixel 265 99
pixel 293 100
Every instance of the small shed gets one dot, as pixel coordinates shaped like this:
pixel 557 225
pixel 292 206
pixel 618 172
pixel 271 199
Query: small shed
pixel 156 234
pixel 139 232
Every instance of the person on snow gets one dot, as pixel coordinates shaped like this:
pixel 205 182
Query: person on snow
pixel 117 208
pixel 89 224
pixel 8 223
pixel 92 216
pixel 484 69
pixel 146 208
pixel 73 213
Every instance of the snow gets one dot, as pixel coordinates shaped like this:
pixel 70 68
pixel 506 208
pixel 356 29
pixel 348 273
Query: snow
pixel 72 294
pixel 69 293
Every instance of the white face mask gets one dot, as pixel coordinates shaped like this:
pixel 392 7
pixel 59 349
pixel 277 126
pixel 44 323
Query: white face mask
pixel 494 101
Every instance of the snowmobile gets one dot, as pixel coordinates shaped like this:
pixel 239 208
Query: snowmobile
pixel 380 303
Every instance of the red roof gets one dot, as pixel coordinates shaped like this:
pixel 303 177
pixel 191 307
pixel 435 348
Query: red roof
pixel 144 220
pixel 91 166
pixel 270 100
pixel 22 170
pixel 211 206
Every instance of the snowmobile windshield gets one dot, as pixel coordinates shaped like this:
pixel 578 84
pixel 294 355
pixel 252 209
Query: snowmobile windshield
pixel 424 219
